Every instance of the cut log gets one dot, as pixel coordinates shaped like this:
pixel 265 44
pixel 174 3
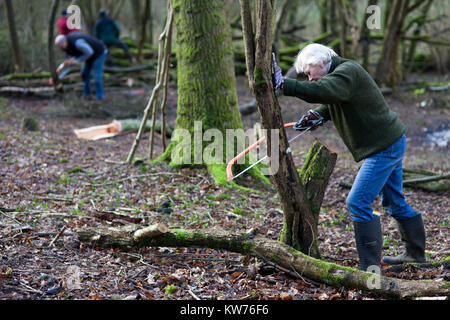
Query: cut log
pixel 150 232
pixel 281 254
pixel 117 127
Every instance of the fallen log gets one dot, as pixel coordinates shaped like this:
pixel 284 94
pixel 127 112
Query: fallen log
pixel 128 69
pixel 420 179
pixel 278 252
pixel 248 108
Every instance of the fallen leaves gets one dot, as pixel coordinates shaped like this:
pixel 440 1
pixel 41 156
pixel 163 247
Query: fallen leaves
pixel 43 190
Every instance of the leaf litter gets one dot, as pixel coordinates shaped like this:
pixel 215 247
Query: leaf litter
pixel 53 185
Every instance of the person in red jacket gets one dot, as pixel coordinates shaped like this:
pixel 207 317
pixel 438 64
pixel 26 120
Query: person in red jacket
pixel 63 28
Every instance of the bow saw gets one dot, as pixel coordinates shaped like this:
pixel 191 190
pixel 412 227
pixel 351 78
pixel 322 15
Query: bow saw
pixel 295 125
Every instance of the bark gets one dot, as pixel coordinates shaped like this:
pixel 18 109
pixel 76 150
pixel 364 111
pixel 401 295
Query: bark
pixel 387 71
pixel 300 223
pixel 163 60
pixel 163 74
pixel 206 80
pixel 323 7
pixel 19 64
pixel 315 175
pixel 275 251
pixel 144 20
pixel 420 22
pixel 50 45
pixel 285 8
pixel 365 38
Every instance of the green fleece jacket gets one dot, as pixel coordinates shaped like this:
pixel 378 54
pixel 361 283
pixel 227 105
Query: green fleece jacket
pixel 353 101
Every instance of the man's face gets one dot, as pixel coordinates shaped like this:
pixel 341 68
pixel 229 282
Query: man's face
pixel 62 45
pixel 317 72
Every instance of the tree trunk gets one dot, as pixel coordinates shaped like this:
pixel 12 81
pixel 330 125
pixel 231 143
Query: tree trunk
pixel 19 64
pixel 324 9
pixel 300 222
pixel 275 251
pixel 206 82
pixel 387 71
pixel 143 27
pixel 50 44
pixel 314 177
pixel 420 22
pixel 365 32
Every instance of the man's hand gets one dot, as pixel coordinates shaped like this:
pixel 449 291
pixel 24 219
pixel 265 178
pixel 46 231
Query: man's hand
pixel 311 119
pixel 72 61
pixel 277 76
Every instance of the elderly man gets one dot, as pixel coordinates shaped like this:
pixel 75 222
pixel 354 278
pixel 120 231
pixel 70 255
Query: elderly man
pixel 372 132
pixel 90 51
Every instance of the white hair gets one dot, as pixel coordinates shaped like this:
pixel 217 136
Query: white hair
pixel 60 39
pixel 313 54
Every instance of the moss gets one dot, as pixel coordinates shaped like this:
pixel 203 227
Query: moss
pixel 260 82
pixel 121 62
pixel 314 164
pixel 218 171
pixel 206 87
pixel 183 234
pixel 327 270
pixel 30 124
pixel 25 76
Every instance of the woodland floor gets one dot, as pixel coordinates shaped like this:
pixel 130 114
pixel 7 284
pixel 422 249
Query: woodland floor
pixel 50 180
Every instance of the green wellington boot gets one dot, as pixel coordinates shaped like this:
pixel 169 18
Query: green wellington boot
pixel 412 232
pixel 369 242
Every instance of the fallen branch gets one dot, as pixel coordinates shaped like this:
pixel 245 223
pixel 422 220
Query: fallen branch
pixel 410 182
pixel 135 177
pixel 281 254
pixel 57 236
pixel 112 215
pixel 421 182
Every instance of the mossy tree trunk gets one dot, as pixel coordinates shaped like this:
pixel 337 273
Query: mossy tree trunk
pixel 206 81
pixel 333 274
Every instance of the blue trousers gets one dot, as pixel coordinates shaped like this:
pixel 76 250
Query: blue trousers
pixel 94 69
pixel 380 174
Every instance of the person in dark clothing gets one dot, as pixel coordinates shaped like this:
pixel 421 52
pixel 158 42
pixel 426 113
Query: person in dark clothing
pixel 90 51
pixel 373 133
pixel 107 30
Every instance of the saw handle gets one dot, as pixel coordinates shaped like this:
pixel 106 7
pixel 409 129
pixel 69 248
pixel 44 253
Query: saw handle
pixel 310 124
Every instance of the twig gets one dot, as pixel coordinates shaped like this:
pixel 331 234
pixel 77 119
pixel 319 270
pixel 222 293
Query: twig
pixel 13 219
pixel 135 177
pixel 193 295
pixel 115 161
pixel 289 272
pixel 57 236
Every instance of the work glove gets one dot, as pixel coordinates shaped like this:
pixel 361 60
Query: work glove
pixel 277 77
pixel 311 119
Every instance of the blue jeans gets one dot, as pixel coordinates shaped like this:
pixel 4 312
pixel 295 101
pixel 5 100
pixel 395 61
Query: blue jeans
pixel 94 68
pixel 380 174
